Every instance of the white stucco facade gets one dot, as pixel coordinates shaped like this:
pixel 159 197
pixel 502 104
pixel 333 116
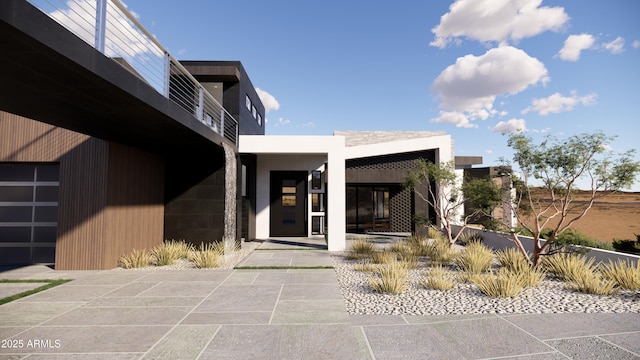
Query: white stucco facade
pixel 327 154
pixel 300 153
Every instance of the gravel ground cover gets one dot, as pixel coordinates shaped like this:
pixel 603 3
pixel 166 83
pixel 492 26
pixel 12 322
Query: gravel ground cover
pixel 551 297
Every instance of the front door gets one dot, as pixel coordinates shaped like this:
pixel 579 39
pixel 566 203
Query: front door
pixel 288 203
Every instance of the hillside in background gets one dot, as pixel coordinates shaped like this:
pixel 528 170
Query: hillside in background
pixel 615 216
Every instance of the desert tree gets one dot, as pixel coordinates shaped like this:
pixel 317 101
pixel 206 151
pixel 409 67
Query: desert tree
pixel 548 181
pixel 442 189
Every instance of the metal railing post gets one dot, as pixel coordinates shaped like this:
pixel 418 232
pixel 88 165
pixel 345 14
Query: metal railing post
pixel 222 122
pixel 101 25
pixel 167 74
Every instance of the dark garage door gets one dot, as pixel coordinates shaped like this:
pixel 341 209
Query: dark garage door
pixel 28 213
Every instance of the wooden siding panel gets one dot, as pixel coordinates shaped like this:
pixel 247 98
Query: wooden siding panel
pixel 110 198
pixel 135 210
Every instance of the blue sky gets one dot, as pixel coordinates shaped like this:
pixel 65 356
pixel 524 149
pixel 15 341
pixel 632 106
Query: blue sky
pixel 474 69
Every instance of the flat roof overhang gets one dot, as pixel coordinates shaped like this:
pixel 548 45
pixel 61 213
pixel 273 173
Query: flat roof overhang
pixel 50 75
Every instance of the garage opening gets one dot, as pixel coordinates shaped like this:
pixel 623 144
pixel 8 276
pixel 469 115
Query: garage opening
pixel 28 213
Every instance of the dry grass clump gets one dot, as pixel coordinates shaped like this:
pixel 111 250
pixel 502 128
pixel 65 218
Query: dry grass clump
pixel 568 266
pixel 623 273
pixel 170 251
pixel 476 258
pixel 592 282
pixel 441 252
pixel 504 283
pixel 136 259
pixel 437 278
pixel 366 266
pixel 361 248
pixel 434 233
pixel 383 257
pixel 511 259
pixel 208 255
pixel 419 245
pixel 468 237
pixel 390 278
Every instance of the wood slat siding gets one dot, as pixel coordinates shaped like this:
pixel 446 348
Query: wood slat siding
pixel 111 196
pixel 135 201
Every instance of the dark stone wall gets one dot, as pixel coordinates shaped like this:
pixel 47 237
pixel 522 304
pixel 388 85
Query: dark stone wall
pixel 194 198
pixel 391 170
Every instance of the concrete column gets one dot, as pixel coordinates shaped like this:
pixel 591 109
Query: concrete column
pixel 336 207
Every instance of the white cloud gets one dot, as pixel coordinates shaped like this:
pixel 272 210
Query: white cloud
pixel 510 126
pixel 574 45
pixel 455 118
pixel 557 103
pixel 122 37
pixel 636 44
pixel 282 122
pixel 469 87
pixel 496 20
pixel 308 124
pixel 615 47
pixel 268 100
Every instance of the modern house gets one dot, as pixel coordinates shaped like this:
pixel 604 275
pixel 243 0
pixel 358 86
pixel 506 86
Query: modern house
pixel 100 153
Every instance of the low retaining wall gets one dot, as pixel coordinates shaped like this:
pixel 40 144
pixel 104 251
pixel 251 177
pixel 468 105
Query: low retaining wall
pixel 498 241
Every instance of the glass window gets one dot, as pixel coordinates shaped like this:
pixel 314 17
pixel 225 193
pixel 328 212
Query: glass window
pixel 12 172
pixel 247 102
pixel 259 119
pixel 317 203
pixel 254 112
pixel 16 193
pixel 316 180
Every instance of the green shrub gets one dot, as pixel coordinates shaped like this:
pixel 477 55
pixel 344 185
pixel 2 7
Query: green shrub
pixel 136 259
pixel 623 273
pixel 437 278
pixel 390 278
pixel 504 283
pixel 567 266
pixel 627 246
pixel 208 255
pixel 573 237
pixel 476 258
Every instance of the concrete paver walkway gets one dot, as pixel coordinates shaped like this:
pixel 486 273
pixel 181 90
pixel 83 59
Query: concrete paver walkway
pixel 258 313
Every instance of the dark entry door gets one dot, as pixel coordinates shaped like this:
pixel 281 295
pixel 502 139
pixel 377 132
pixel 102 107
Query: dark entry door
pixel 288 203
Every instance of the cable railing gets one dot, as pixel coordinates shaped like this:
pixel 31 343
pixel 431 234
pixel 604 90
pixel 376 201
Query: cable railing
pixel 109 27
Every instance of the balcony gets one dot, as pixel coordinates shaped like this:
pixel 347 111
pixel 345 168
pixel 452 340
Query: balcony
pixel 102 73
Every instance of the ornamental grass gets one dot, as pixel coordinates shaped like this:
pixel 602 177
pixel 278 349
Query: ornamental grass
pixel 503 283
pixel 390 278
pixel 168 252
pixel 437 278
pixel 135 259
pixel 511 259
pixel 623 273
pixel 361 248
pixel 209 255
pixel 476 258
pixel 592 282
pixel 568 266
pixel 441 252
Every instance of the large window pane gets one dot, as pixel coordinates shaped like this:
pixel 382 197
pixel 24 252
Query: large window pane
pixel 12 172
pixel 15 234
pixel 42 234
pixel 15 213
pixel 47 193
pixel 16 193
pixel 48 172
pixel 46 214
